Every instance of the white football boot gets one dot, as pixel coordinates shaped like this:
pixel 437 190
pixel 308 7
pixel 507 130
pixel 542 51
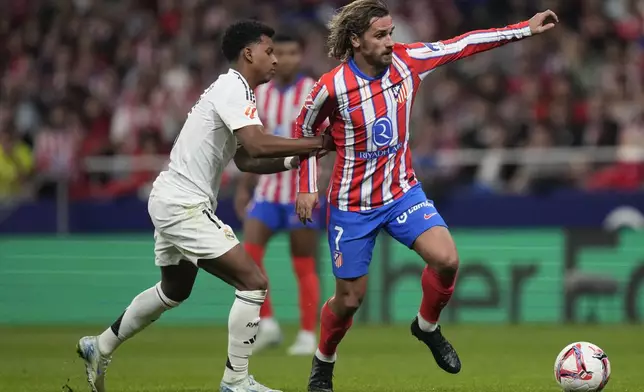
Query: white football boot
pixel 247 384
pixel 305 344
pixel 95 362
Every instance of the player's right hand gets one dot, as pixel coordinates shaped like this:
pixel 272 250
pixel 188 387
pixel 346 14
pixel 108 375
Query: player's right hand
pixel 538 23
pixel 242 202
pixel 304 205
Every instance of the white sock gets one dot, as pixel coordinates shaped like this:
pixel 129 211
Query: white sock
pixel 145 308
pixel 243 324
pixel 325 358
pixel 426 325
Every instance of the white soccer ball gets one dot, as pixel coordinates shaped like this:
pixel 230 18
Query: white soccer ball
pixel 582 366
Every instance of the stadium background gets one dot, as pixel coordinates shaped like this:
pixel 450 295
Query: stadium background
pixel 532 152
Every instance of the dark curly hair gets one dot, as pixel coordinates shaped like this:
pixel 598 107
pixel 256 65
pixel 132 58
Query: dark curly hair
pixel 241 34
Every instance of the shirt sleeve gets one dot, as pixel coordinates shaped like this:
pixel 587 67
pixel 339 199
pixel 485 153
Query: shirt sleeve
pixel 236 106
pixel 317 108
pixel 425 57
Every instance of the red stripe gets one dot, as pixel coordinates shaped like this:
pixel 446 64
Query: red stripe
pixel 304 185
pixel 340 141
pixel 356 174
pixel 278 123
pixel 298 102
pixel 408 161
pixel 266 97
pixel 378 177
pixel 401 111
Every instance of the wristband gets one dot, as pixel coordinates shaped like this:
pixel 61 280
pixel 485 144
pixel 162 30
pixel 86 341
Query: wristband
pixel 288 163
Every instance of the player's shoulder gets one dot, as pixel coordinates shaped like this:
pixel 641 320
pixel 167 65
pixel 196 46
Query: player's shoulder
pixel 231 86
pixel 400 46
pixel 327 79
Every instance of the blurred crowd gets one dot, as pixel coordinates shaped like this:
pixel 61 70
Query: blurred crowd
pixel 88 78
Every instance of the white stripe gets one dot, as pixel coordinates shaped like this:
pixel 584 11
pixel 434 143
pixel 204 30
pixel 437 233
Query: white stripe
pixel 272 96
pixel 403 69
pixel 369 110
pixel 260 193
pixel 308 131
pixel 472 39
pixel 392 106
pixel 272 110
pixel 311 115
pixel 343 106
pixel 287 108
pixel 408 108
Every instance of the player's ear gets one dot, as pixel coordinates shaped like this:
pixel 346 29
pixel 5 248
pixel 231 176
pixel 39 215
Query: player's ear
pixel 248 54
pixel 355 41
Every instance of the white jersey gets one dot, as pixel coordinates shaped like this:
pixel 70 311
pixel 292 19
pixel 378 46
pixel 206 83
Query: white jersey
pixel 207 142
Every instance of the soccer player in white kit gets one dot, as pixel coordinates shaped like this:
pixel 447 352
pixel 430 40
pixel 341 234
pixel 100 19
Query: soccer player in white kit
pixel 222 125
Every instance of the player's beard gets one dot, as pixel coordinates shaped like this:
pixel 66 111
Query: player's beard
pixel 386 59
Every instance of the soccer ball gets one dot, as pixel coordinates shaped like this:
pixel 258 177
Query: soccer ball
pixel 582 366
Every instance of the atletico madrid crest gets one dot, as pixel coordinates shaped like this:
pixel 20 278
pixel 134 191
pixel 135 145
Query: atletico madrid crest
pixel 402 93
pixel 337 259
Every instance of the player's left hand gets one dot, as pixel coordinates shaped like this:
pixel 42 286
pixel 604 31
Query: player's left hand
pixel 537 25
pixel 304 205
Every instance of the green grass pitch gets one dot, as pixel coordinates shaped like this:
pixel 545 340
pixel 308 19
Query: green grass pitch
pixel 371 358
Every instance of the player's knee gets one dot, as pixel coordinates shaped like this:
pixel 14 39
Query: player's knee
pixel 175 292
pixel 348 302
pixel 254 281
pixel 445 262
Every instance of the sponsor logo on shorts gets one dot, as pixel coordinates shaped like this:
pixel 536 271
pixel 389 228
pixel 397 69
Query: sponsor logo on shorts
pixel 252 324
pixel 229 234
pixel 402 218
pixel 429 216
pixel 337 259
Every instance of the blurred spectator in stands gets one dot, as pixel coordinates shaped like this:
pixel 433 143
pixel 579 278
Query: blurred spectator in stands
pixel 16 163
pixel 627 174
pixel 56 149
pixel 139 180
pixel 127 68
pixel 544 177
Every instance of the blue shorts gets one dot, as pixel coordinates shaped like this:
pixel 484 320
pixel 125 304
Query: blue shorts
pixel 352 235
pixel 281 217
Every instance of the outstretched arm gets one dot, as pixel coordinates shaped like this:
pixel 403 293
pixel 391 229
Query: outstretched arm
pixel 248 164
pixel 237 109
pixel 425 57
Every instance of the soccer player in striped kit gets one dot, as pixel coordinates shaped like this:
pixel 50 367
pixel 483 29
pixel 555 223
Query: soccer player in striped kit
pixel 368 99
pixel 271 209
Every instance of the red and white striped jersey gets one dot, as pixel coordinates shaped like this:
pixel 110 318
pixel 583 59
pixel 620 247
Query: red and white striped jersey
pixel 370 118
pixel 278 108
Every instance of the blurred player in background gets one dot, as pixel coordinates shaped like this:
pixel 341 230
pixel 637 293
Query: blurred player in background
pixel 272 208
pixel 222 125
pixel 369 99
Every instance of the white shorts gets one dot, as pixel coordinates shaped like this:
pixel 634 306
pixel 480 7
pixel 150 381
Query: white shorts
pixel 189 233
